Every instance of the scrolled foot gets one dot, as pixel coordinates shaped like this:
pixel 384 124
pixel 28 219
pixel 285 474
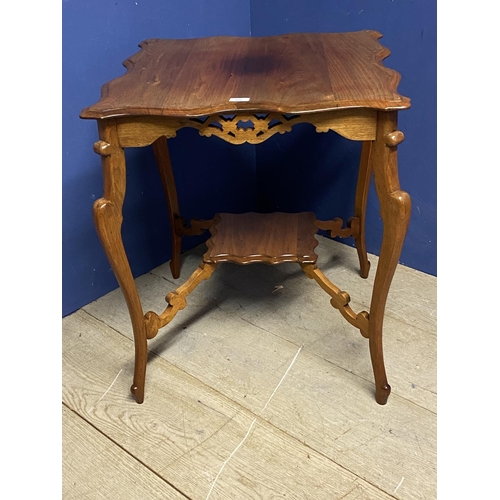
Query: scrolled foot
pixel 138 393
pixel 382 394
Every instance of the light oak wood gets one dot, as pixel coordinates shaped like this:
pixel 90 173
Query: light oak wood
pixel 107 212
pixel 177 300
pixel 340 299
pixel 188 430
pixel 95 467
pixel 381 447
pixel 395 210
pixel 394 138
pixel 354 124
pixel 221 347
pixel 250 293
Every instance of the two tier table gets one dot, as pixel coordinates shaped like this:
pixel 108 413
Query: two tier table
pixel 245 90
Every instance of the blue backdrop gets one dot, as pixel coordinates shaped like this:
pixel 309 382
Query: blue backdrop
pixel 97 36
pixel 409 30
pixel 214 176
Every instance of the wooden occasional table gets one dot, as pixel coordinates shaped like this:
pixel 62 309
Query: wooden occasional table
pixel 246 90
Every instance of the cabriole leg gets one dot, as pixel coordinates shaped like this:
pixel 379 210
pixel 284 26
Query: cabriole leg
pixel 107 212
pixel 395 210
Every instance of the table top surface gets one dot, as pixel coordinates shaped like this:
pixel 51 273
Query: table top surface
pixel 295 73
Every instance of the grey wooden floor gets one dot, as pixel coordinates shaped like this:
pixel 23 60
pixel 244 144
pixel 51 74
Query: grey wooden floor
pixel 258 389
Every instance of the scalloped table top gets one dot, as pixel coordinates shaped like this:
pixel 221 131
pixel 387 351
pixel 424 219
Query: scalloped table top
pixel 295 73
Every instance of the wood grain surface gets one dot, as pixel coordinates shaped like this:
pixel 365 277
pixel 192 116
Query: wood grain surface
pixel 96 468
pixel 239 335
pixel 293 73
pixel 271 238
pixel 184 435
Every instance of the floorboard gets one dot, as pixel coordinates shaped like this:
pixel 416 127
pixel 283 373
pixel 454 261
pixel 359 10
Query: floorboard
pixel 96 468
pixel 218 370
pixel 186 431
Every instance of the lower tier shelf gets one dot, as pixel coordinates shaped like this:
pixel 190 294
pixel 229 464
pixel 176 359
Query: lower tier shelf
pixel 270 238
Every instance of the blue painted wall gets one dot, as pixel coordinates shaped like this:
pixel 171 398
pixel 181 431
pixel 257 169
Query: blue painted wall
pixel 328 161
pixel 97 36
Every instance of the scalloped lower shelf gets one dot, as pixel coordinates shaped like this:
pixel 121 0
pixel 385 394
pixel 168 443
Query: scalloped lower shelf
pixel 272 238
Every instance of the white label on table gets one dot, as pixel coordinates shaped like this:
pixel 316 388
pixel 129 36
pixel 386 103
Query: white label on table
pixel 239 99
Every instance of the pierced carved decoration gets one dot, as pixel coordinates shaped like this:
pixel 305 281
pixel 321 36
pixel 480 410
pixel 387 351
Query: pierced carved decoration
pixel 339 299
pixel 176 300
pixel 334 227
pixel 253 128
pixel 240 128
pixel 194 227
